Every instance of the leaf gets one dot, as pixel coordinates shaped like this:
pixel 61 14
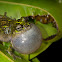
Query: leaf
pixel 34 7
pixel 6 59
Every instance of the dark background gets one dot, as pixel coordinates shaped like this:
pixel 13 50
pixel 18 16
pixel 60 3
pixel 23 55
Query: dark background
pixel 53 53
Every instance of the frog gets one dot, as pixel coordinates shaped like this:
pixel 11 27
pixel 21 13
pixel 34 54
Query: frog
pixel 23 34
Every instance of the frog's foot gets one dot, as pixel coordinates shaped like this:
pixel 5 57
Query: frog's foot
pixel 11 52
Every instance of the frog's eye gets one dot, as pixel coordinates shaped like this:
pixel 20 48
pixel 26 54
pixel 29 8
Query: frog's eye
pixel 28 41
pixel 19 27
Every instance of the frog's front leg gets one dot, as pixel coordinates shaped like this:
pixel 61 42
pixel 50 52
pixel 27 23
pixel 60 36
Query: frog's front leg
pixel 11 52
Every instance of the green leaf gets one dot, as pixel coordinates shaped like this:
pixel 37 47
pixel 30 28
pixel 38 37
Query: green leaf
pixel 17 9
pixel 6 59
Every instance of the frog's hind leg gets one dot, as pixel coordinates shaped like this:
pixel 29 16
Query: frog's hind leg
pixel 46 19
